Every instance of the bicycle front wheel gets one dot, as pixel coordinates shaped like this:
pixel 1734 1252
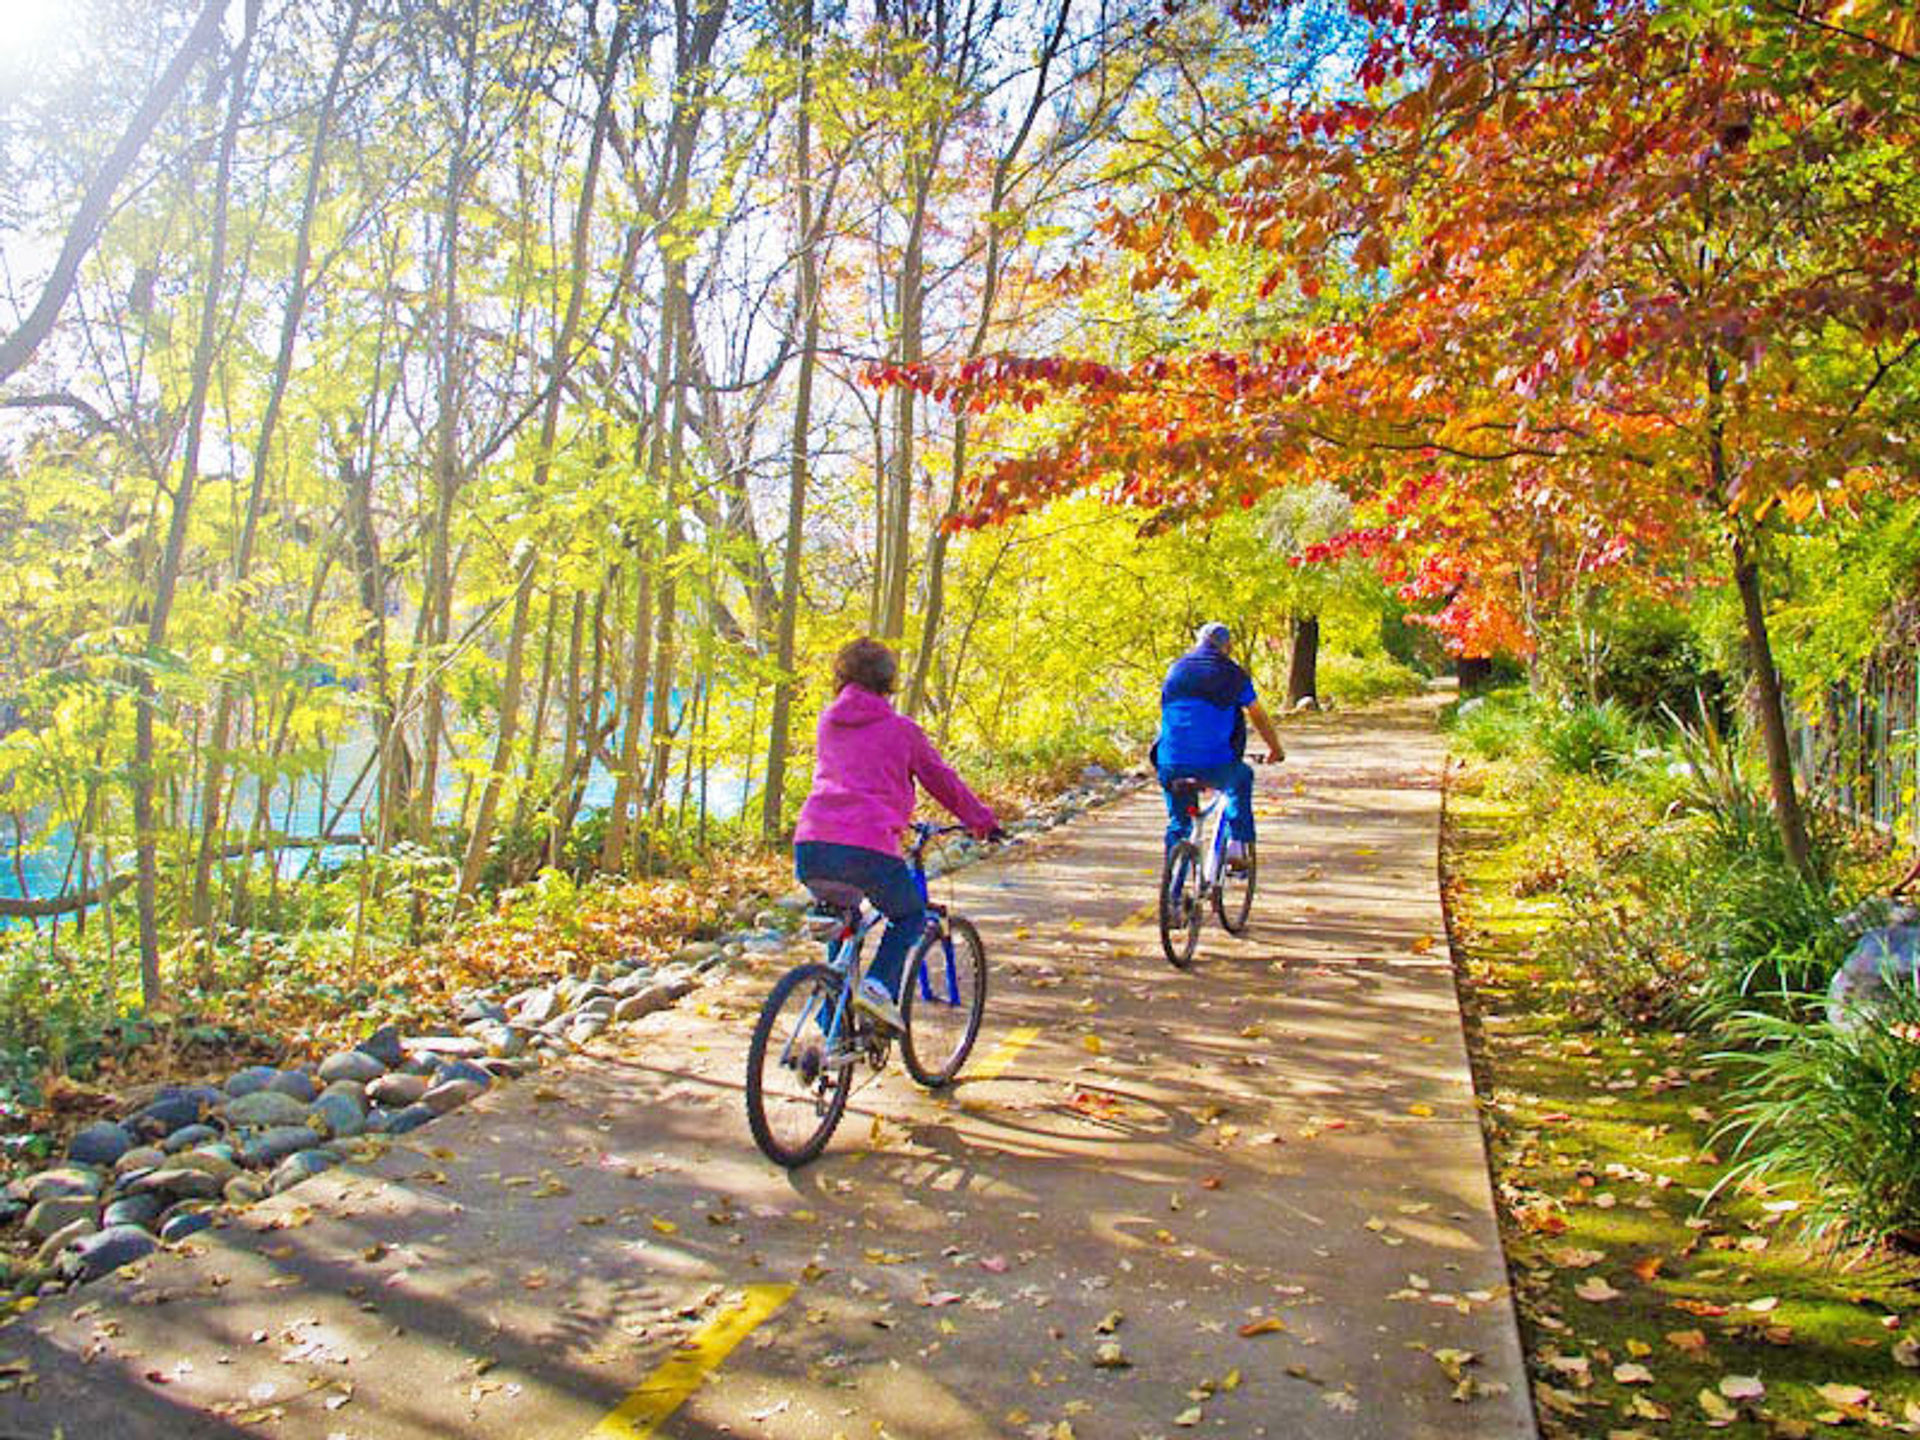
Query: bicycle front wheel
pixel 942 1003
pixel 1181 909
pixel 1233 901
pixel 799 1066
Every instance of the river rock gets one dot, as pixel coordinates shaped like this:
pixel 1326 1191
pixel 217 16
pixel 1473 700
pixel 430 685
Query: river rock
pixel 101 1143
pixel 59 1211
pixel 411 1118
pixel 168 1114
pixel 653 998
pixel 301 1166
pixel 633 982
pixel 266 1108
pixel 585 1028
pixel 65 1182
pixel 601 1005
pixel 384 1046
pixel 296 1084
pixel 73 1230
pixel 182 1223
pixel 450 1047
pixel 250 1080
pixel 355 1065
pixel 141 1157
pixel 462 1070
pixel 94 1255
pixel 680 985
pixel 182 1182
pixel 536 1006
pixel 398 1091
pixel 451 1095
pixel 222 1167
pixel 141 1209
pixel 479 1008
pixel 244 1190
pixel 270 1147
pixel 187 1138
pixel 705 949
pixel 341 1114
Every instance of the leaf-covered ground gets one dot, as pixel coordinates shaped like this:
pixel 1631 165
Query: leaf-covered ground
pixel 1650 1305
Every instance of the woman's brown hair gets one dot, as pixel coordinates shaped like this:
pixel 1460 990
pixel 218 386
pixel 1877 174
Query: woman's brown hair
pixel 867 663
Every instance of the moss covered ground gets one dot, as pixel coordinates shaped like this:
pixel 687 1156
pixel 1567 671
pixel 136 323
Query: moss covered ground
pixel 1655 1299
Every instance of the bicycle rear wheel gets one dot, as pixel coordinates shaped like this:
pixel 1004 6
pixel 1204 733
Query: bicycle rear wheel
pixel 796 1084
pixel 942 1003
pixel 1233 901
pixel 1181 909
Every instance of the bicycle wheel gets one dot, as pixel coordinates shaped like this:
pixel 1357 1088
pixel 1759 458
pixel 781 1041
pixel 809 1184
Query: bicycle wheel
pixel 796 1092
pixel 942 1003
pixel 1181 909
pixel 1233 901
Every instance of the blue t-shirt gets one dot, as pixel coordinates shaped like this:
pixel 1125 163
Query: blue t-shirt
pixel 1200 703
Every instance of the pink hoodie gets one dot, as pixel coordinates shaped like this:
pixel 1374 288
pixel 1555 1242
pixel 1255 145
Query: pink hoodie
pixel 867 759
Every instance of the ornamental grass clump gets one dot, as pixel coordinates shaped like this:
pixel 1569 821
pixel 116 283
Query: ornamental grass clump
pixel 1833 1109
pixel 1591 739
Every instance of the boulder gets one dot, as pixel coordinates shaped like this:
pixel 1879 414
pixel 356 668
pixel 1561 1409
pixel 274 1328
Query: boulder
pixel 585 1028
pixel 536 1006
pixel 356 1065
pixel 101 1143
pixel 705 949
pixel 478 1009
pixel 168 1114
pixel 462 1070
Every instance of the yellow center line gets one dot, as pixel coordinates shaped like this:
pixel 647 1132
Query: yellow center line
pixel 683 1372
pixel 1004 1053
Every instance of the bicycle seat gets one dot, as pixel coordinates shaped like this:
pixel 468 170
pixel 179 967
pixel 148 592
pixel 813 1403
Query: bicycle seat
pixel 836 896
pixel 1187 785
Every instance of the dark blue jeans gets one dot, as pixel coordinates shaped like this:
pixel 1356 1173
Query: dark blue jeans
pixel 886 881
pixel 1235 778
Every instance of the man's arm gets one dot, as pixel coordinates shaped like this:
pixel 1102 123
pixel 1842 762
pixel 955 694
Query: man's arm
pixel 1264 724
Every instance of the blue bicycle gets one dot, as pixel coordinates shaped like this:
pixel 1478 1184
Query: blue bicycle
pixel 1197 871
pixel 810 1037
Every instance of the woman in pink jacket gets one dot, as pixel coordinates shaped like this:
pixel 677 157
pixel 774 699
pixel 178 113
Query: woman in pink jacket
pixel 867 758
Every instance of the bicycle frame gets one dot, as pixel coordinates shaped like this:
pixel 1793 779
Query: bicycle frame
pixel 1207 828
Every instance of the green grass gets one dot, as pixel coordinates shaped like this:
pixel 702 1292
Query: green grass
pixel 1573 1114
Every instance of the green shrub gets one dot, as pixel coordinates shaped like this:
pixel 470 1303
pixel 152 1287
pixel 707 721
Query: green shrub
pixel 1590 739
pixel 1494 726
pixel 1347 679
pixel 1641 652
pixel 1836 1108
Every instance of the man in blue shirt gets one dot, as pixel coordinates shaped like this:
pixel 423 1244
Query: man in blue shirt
pixel 1203 734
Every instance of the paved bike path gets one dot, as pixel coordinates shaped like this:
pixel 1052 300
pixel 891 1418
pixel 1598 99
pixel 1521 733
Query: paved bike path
pixel 1248 1200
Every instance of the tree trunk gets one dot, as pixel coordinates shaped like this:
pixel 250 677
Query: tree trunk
pixel 1772 713
pixel 773 806
pixel 166 582
pixel 481 835
pixel 1303 670
pixel 211 805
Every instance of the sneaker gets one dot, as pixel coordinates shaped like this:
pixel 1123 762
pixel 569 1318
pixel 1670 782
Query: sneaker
pixel 871 998
pixel 1236 857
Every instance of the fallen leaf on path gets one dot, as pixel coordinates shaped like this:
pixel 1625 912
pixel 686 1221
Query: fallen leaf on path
pixel 1693 1342
pixel 1188 1417
pixel 1110 1356
pixel 1596 1290
pixel 1268 1325
pixel 1742 1387
pixel 1091 1044
pixel 1632 1374
pixel 1717 1410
